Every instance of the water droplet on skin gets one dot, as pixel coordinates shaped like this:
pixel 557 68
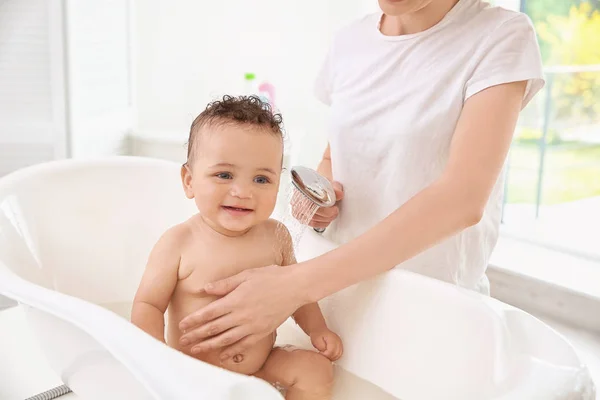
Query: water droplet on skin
pixel 305 210
pixel 279 387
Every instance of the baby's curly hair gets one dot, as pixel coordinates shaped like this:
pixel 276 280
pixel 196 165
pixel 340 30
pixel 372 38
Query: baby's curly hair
pixel 241 110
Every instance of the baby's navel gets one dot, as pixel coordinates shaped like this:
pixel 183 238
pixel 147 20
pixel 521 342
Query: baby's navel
pixel 238 358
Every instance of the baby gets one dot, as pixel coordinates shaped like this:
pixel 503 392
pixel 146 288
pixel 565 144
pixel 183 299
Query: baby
pixel 233 169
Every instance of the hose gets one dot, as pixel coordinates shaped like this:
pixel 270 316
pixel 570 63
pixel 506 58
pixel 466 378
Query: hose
pixel 52 393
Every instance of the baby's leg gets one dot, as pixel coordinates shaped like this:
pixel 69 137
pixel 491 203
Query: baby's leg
pixel 306 375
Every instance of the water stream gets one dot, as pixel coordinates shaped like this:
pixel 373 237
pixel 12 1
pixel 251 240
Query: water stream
pixel 295 214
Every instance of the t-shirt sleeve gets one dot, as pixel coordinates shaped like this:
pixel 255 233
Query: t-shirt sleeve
pixel 510 54
pixel 323 81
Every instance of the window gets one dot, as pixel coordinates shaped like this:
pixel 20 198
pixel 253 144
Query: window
pixel 553 182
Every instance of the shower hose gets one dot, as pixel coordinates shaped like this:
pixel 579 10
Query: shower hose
pixel 52 393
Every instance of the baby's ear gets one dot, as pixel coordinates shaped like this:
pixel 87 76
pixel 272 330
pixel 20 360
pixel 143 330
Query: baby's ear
pixel 186 180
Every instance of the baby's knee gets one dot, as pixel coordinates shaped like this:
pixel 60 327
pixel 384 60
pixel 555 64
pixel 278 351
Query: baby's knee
pixel 313 370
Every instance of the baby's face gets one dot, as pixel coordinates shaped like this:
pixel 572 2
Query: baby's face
pixel 234 176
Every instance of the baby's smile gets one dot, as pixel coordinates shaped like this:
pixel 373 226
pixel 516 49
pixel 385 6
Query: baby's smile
pixel 237 211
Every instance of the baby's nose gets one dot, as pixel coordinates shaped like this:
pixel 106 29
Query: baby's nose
pixel 242 191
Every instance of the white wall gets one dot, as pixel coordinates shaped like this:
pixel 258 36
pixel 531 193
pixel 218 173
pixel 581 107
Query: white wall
pixel 188 52
pixel 32 112
pixel 64 80
pixel 98 72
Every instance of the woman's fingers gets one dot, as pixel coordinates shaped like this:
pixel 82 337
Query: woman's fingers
pixel 222 340
pixel 317 218
pixel 314 224
pixel 326 214
pixel 324 217
pixel 224 286
pixel 214 310
pixel 339 190
pixel 207 330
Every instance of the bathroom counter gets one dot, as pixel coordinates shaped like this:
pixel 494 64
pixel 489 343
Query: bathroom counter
pixel 24 370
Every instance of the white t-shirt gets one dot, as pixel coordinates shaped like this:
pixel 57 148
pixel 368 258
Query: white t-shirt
pixel 394 104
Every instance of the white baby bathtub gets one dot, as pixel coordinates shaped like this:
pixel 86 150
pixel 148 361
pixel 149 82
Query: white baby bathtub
pixel 74 238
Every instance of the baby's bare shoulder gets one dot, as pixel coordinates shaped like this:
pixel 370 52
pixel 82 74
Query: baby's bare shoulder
pixel 175 237
pixel 275 227
pixel 278 232
pixel 179 232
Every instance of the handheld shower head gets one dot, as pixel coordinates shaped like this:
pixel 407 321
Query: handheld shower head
pixel 314 187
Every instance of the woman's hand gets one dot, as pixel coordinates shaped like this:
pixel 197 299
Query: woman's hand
pixel 257 301
pixel 324 216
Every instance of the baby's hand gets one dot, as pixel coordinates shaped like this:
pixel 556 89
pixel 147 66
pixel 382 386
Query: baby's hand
pixel 328 343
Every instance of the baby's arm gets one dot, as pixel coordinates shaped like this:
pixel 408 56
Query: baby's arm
pixel 157 284
pixel 309 317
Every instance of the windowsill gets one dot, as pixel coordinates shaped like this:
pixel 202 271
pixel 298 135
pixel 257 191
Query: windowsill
pixel 538 279
pixel 552 266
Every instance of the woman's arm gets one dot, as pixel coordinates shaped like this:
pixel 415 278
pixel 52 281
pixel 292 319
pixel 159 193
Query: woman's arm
pixel 324 167
pixel 258 301
pixel 452 203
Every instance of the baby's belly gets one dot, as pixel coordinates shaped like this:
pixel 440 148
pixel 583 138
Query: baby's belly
pixel 247 363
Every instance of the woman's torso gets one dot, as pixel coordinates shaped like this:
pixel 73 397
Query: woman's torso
pixel 395 102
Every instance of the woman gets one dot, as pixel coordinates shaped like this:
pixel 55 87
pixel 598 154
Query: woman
pixel 424 100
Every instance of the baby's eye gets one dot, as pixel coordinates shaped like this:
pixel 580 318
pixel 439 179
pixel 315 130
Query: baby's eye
pixel 224 175
pixel 262 180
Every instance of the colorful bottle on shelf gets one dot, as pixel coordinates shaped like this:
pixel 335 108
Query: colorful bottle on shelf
pixel 265 90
